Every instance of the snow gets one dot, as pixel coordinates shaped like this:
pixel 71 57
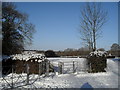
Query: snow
pixel 80 64
pixel 107 79
pixel 26 56
pixel 98 53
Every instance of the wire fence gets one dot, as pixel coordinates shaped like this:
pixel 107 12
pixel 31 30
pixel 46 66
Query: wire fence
pixel 18 73
pixel 24 74
pixel 13 80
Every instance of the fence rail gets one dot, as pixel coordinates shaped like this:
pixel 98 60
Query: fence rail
pixel 70 67
pixel 16 73
pixel 15 76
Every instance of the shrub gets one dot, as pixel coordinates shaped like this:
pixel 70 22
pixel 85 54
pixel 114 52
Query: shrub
pixel 97 62
pixel 50 53
pixel 20 66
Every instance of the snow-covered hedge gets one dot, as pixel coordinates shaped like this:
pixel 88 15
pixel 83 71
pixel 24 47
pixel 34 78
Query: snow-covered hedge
pixel 97 61
pixel 26 56
pixel 98 53
pixel 36 63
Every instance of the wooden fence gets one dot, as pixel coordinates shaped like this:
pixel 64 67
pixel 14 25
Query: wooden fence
pixel 70 67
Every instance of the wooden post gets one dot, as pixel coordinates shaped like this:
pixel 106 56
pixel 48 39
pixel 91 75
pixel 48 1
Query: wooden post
pixel 73 67
pixel 90 68
pixel 28 73
pixel 78 66
pixel 39 70
pixel 12 78
pixel 58 68
pixel 47 68
pixel 60 65
pixel 43 67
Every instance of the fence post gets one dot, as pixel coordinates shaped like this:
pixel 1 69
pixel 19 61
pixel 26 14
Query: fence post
pixel 43 67
pixel 12 78
pixel 47 67
pixel 28 73
pixel 39 70
pixel 73 67
pixel 78 66
pixel 59 68
pixel 60 65
pixel 90 68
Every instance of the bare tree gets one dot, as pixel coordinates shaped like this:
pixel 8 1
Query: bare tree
pixel 92 20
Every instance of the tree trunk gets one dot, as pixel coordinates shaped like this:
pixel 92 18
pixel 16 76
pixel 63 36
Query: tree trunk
pixel 94 41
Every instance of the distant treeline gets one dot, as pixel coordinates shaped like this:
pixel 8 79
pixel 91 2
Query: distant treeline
pixel 83 51
pixel 67 52
pixel 73 53
pixel 70 52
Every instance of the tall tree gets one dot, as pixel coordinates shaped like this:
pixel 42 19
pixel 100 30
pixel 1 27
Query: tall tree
pixel 16 30
pixel 92 19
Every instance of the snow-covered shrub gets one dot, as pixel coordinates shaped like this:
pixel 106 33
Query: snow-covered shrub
pixel 98 54
pixel 50 53
pixel 97 61
pixel 19 63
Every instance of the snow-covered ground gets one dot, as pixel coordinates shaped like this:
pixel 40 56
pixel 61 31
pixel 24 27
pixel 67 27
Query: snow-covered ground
pixel 107 79
pixel 80 64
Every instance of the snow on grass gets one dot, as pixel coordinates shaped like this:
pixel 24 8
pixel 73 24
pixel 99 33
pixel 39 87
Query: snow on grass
pixel 107 79
pixel 112 66
pixel 101 80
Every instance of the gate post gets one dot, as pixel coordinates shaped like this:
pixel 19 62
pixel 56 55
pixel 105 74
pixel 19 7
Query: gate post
pixel 47 67
pixel 90 68
pixel 12 78
pixel 43 67
pixel 39 70
pixel 28 73
pixel 73 67
pixel 60 66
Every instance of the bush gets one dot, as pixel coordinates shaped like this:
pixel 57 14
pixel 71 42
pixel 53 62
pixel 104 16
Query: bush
pixel 50 53
pixel 20 66
pixel 97 63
